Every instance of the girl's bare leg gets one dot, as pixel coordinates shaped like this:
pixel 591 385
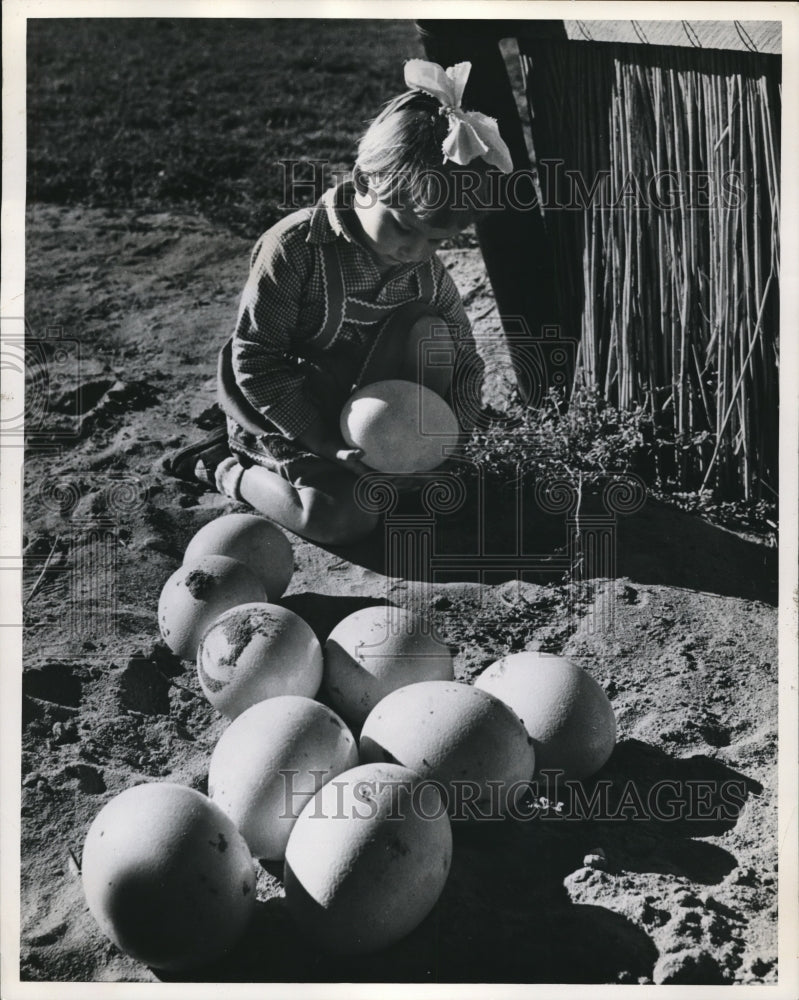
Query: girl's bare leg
pixel 321 507
pixel 320 504
pixel 415 365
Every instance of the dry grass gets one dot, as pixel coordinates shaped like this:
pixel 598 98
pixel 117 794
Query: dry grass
pixel 195 115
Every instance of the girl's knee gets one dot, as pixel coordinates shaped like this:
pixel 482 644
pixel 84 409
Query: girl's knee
pixel 322 509
pixel 430 354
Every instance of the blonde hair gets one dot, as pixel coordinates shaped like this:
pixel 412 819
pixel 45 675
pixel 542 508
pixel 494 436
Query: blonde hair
pixel 400 158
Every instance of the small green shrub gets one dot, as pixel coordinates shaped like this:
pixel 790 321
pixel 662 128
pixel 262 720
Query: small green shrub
pixel 585 442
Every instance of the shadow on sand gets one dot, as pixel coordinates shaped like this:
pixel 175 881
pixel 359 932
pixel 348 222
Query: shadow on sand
pixel 494 532
pixel 646 808
pixel 324 611
pixel 505 915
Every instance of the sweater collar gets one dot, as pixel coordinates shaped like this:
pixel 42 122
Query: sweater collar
pixel 327 223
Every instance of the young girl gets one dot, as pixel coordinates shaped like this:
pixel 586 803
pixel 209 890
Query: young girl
pixel 342 295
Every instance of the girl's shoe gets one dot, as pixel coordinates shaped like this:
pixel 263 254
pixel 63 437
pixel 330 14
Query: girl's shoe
pixel 196 463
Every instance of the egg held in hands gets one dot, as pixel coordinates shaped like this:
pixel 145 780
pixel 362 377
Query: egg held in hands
pixel 270 761
pixel 167 876
pixel 257 651
pixel 401 426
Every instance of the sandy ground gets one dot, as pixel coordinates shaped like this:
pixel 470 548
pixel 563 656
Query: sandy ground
pixel 682 638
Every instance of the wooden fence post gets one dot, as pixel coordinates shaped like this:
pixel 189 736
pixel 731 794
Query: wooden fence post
pixel 513 240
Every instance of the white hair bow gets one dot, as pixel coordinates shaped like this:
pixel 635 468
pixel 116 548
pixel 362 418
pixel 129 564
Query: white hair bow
pixel 471 134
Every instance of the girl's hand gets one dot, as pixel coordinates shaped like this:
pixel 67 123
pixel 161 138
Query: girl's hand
pixel 318 439
pixel 350 458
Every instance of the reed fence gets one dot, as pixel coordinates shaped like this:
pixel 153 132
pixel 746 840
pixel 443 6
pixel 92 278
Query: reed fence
pixel 659 173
